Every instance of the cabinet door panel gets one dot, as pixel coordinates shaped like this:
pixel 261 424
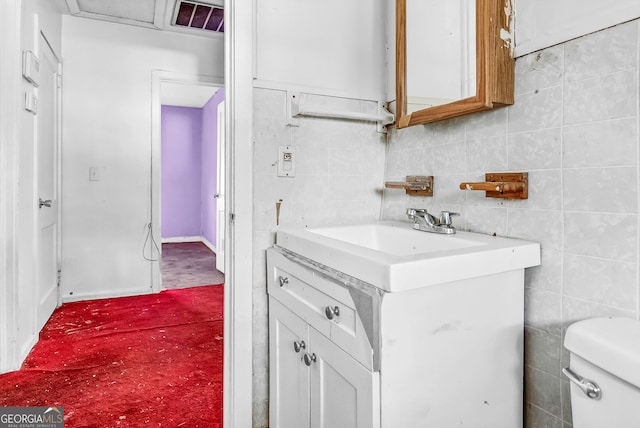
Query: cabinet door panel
pixel 344 393
pixel 289 376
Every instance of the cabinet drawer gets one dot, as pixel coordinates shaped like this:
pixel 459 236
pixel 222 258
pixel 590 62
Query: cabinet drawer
pixel 323 303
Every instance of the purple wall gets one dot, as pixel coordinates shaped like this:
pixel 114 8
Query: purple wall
pixel 189 169
pixel 181 171
pixel 209 165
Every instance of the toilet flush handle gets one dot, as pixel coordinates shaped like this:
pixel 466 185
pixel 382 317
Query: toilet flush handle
pixel 589 387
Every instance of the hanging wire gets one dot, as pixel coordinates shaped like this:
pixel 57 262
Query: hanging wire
pixel 152 244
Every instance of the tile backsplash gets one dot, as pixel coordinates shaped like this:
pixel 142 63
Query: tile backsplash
pixel 574 129
pixel 339 180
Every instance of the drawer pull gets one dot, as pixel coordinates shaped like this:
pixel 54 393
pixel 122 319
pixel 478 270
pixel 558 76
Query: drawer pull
pixel 309 359
pixel 297 346
pixel 332 312
pixel 283 280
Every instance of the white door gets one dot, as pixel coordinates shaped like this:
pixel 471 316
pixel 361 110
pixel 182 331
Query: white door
pixel 220 216
pixel 47 182
pixel 288 375
pixel 344 393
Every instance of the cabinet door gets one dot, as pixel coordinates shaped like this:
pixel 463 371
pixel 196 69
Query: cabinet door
pixel 344 393
pixel 288 376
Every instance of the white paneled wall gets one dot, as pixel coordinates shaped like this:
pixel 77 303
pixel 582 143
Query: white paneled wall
pixel 339 180
pixel 574 128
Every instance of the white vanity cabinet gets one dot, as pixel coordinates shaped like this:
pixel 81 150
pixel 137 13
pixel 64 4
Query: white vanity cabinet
pixel 438 355
pixel 313 381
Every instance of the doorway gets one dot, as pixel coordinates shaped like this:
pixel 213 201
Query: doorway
pixel 191 136
pixel 166 85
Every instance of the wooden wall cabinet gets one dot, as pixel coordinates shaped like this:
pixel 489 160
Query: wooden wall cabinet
pixel 494 65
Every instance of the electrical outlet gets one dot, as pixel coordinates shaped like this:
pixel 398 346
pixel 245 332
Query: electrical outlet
pixel 286 161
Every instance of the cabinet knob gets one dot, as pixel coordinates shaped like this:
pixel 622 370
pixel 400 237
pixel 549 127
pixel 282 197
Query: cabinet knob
pixel 283 280
pixel 46 203
pixel 297 346
pixel 309 359
pixel 332 312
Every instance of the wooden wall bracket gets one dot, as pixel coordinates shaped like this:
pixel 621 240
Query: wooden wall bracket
pixel 504 185
pixel 415 185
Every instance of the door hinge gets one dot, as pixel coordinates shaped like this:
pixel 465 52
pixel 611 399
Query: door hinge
pixel 59 277
pixel 232 217
pixel 59 80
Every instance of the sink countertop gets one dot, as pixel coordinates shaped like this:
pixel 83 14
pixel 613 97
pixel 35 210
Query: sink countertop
pixel 395 257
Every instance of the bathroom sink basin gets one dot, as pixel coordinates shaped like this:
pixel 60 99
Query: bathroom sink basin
pixel 394 240
pixel 395 257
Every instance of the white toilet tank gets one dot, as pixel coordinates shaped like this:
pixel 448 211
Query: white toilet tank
pixel 605 354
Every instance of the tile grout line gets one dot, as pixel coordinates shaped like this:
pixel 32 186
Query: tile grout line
pixel 563 417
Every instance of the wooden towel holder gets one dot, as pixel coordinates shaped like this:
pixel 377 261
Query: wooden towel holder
pixel 415 185
pixel 504 185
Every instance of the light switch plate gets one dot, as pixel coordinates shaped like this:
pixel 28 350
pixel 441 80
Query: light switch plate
pixel 31 67
pixel 286 161
pixel 31 102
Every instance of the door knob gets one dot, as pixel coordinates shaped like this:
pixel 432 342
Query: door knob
pixel 282 280
pixel 42 203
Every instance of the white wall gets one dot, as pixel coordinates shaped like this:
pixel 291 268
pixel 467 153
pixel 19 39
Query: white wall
pixel 331 46
pixel 544 23
pixel 107 93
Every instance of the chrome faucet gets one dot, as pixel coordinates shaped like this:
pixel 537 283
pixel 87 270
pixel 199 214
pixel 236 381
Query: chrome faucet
pixel 429 223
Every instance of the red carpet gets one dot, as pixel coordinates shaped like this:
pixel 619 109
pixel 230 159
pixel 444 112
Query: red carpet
pixel 152 360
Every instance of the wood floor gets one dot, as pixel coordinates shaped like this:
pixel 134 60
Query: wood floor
pixel 189 264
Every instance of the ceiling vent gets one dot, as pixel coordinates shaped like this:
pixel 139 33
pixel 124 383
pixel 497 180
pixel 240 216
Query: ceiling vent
pixel 199 16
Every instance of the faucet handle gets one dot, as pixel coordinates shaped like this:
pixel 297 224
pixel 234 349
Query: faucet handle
pixel 445 217
pixel 411 212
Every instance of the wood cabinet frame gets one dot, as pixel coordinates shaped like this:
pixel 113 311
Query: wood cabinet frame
pixel 494 65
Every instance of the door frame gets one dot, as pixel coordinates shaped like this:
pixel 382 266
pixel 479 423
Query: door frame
pixel 157 78
pixel 239 72
pixel 10 115
pixel 220 187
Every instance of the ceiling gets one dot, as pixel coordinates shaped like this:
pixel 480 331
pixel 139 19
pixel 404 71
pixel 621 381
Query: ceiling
pixel 156 14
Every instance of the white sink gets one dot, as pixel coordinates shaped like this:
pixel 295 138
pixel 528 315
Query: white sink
pixel 394 240
pixel 395 257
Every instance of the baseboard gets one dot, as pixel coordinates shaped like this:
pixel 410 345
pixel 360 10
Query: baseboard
pixel 179 239
pixel 209 245
pixel 27 346
pixel 107 295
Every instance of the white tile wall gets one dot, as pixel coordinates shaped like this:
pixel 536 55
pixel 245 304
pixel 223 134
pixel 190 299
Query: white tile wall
pixel 339 180
pixel 574 128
